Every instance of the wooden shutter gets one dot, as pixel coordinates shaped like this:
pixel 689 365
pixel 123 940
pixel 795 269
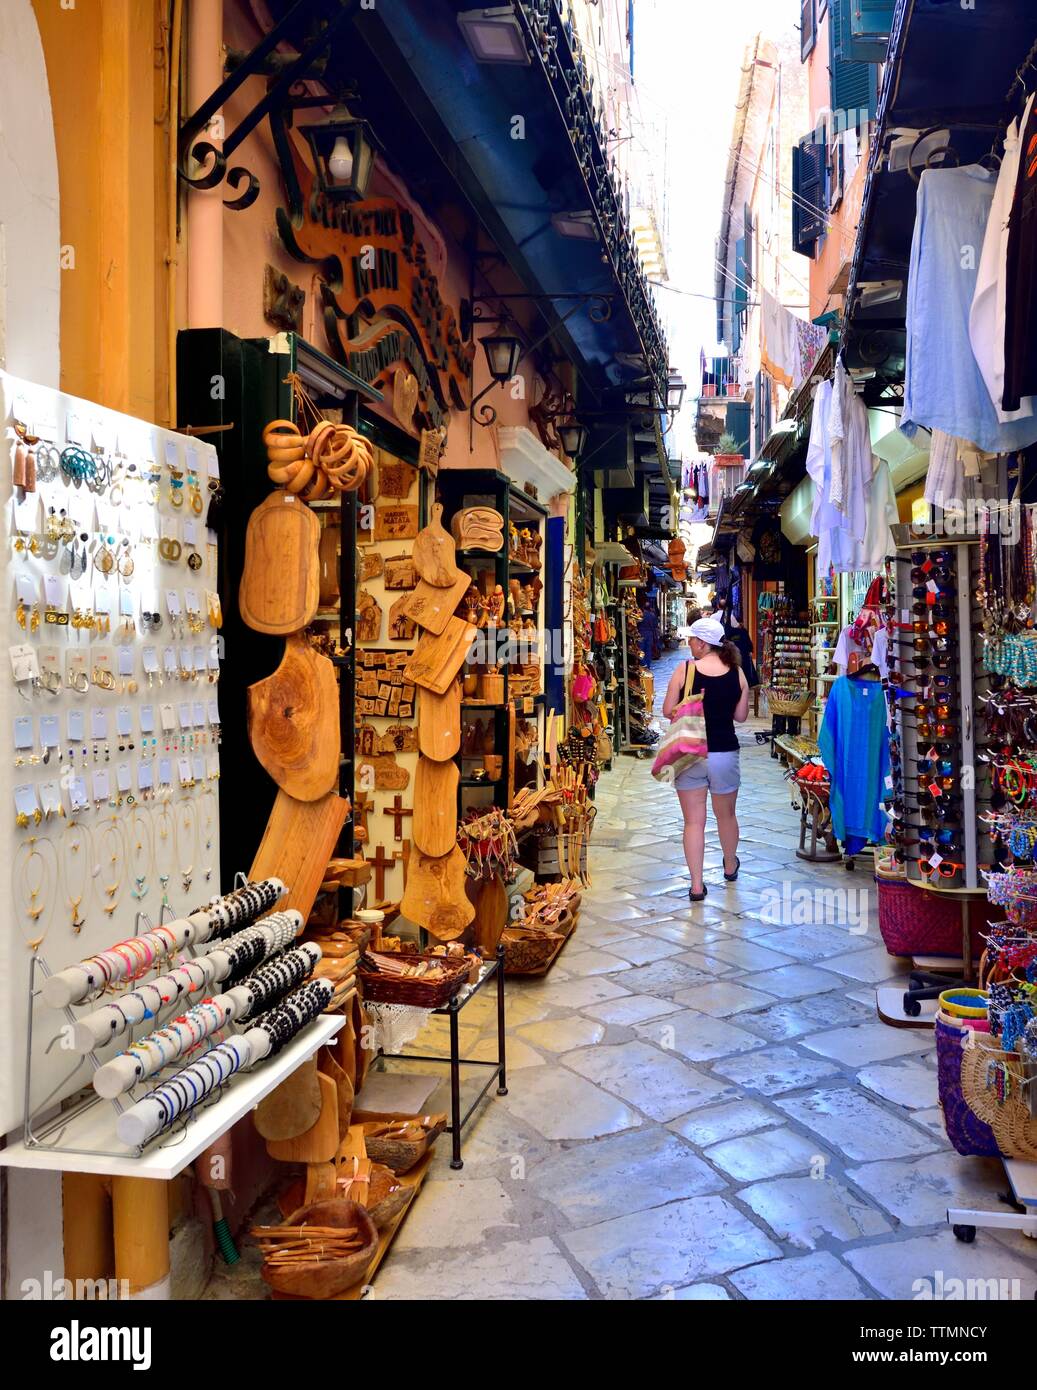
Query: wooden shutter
pixel 807 29
pixel 808 185
pixel 750 253
pixel 739 297
pixel 854 90
pixel 869 25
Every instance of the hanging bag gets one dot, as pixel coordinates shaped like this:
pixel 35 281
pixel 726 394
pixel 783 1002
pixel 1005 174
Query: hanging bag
pixel 684 743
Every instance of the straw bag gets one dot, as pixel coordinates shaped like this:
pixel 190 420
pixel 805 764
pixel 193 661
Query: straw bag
pixel 1013 1125
pixel 684 743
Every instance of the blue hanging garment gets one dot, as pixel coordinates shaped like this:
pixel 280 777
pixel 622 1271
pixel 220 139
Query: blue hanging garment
pixel 854 743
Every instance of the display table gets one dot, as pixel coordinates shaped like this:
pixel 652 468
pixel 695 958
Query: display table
pixel 491 969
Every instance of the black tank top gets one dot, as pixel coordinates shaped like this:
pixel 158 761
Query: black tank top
pixel 720 695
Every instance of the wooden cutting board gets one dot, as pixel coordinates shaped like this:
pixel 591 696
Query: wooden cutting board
pixel 434 552
pixel 293 722
pixel 320 1142
pixel 299 839
pixel 435 897
pixel 433 608
pixel 280 581
pixel 293 1107
pixel 490 899
pixel 434 828
pixel 439 723
pixel 437 659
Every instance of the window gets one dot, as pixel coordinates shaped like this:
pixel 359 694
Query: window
pixel 807 28
pixel 854 83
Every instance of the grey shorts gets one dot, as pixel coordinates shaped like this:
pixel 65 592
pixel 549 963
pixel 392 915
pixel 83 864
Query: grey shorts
pixel 720 772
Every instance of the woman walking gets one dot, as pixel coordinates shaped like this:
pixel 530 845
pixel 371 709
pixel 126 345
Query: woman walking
pixel 714 672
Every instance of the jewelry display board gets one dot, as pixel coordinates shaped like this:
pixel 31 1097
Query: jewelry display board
pixel 111 607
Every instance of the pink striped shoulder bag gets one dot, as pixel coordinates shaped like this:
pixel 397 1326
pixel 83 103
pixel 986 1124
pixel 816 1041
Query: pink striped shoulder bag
pixel 685 741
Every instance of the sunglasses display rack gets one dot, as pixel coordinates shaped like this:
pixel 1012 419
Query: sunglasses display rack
pixel 113 617
pixel 934 827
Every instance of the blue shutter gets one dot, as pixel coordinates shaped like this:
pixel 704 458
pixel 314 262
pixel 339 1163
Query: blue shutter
pixel 808 182
pixel 866 36
pixel 854 82
pixel 739 296
pixel 736 424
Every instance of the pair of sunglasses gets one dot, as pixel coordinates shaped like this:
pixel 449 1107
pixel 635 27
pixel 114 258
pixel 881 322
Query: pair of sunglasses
pixel 946 868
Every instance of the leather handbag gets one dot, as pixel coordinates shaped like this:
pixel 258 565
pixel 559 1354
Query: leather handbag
pixel 684 743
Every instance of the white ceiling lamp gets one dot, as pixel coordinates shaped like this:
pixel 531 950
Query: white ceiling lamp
pixel 494 35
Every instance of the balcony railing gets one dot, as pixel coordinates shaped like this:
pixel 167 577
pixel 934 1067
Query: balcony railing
pixel 724 480
pixel 721 383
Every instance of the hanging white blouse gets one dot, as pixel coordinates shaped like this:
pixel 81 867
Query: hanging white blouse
pixel 987 316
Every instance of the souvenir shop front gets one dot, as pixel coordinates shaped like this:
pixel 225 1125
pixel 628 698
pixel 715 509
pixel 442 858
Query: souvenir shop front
pixel 926 768
pixel 303 763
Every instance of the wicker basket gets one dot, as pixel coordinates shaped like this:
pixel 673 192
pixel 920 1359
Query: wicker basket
pixel 379 988
pixel 969 1134
pixel 528 950
pixel 915 923
pixel 388 1141
pixel 786 704
pixel 1014 1128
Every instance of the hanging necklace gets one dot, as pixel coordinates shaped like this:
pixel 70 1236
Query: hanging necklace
pixel 113 847
pixel 189 818
pixel 30 885
pixel 76 857
pixel 207 829
pixel 142 855
pixel 164 824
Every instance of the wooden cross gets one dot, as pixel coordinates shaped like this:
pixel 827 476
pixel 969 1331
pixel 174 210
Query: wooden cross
pixel 361 808
pixel 404 855
pixel 380 861
pixel 396 810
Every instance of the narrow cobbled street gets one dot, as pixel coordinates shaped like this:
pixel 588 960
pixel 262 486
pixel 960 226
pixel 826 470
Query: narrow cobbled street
pixel 703 1103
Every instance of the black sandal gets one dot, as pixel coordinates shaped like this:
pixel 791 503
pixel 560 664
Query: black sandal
pixel 730 878
pixel 697 897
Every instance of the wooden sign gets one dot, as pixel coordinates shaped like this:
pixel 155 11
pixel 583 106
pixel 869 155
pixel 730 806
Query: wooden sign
pixel 398 738
pixel 371 566
pixel 400 573
pixel 384 774
pixel 398 522
pixel 401 627
pixel 395 479
pixel 368 617
pixel 366 255
pixel 432 443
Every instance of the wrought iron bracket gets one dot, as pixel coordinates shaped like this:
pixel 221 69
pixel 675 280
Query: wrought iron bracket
pixel 599 310
pixel 202 164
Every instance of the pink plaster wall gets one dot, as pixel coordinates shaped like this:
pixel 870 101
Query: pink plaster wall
pixel 250 242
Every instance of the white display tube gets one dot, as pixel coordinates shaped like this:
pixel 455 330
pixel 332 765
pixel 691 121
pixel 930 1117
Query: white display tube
pixel 163 1107
pixel 99 1028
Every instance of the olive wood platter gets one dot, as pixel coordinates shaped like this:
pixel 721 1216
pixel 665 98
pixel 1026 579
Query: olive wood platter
pixel 439 723
pixel 437 659
pixel 280 581
pixel 434 552
pixel 433 608
pixel 299 839
pixel 293 722
pixel 434 827
pixel 434 896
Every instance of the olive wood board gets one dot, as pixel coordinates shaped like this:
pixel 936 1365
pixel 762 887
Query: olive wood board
pixel 299 839
pixel 436 660
pixel 434 552
pixel 434 895
pixel 293 722
pixel 280 580
pixel 439 723
pixel 320 1142
pixel 434 827
pixel 433 608
pixel 291 1108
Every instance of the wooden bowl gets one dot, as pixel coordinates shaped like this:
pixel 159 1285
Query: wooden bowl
pixel 326 1278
